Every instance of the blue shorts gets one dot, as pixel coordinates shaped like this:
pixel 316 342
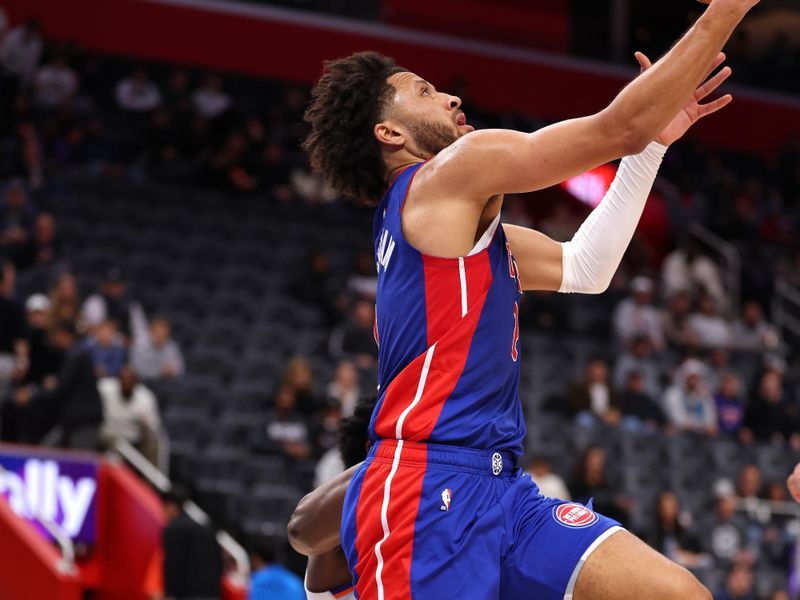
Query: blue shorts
pixel 426 521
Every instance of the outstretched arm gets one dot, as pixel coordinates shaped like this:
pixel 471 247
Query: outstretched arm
pixel 314 526
pixel 588 262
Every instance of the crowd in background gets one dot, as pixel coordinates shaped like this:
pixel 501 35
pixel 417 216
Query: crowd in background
pixel 75 363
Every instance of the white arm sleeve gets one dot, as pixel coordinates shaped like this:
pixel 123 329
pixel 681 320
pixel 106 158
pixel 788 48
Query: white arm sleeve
pixel 591 258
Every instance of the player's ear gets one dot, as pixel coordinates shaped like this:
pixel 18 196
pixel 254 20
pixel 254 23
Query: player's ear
pixel 387 133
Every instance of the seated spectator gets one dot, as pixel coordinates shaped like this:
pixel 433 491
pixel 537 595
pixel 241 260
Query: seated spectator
pixel 677 328
pixel 550 484
pixel 17 217
pixel 112 301
pixel 269 579
pixel 738 583
pixel 777 540
pixel 155 354
pixel 636 316
pixel 54 84
pixel 45 360
pixel 726 538
pixel 688 402
pixel 772 415
pixel 639 358
pixel 73 405
pixel 299 377
pixel 65 302
pixel 687 269
pixel 730 405
pixel 192 557
pixel 751 332
pixel 748 483
pixel 211 101
pixel 639 409
pixel 325 432
pixel 45 243
pixel 137 93
pixel 712 330
pixel 130 413
pixel 14 358
pixel 107 349
pixel 315 284
pixel 355 339
pixel 363 280
pixel 673 534
pixel 594 396
pixel 285 430
pixel 21 50
pixel 344 387
pixel 589 482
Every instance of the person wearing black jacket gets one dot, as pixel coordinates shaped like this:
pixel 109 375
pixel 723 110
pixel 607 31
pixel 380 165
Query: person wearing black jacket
pixel 192 557
pixel 73 404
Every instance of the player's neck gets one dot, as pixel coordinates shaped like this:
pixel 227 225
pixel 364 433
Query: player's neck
pixel 395 169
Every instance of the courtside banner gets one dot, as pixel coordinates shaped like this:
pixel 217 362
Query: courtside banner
pixel 51 488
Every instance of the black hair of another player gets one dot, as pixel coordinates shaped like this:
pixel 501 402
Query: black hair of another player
pixel 353 432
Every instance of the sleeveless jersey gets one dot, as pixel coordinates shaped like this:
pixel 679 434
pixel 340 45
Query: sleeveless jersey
pixel 448 338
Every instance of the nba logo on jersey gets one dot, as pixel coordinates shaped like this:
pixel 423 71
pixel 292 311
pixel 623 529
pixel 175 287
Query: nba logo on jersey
pixel 447 495
pixel 574 515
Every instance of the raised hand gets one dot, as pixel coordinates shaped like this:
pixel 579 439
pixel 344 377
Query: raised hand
pixel 693 111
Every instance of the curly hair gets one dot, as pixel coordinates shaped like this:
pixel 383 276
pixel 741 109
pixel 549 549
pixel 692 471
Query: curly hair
pixel 353 432
pixel 346 103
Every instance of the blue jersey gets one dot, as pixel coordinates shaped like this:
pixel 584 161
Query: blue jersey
pixel 448 338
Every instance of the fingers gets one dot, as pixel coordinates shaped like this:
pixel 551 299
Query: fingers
pixel 717 62
pixel 644 62
pixel 713 83
pixel 703 110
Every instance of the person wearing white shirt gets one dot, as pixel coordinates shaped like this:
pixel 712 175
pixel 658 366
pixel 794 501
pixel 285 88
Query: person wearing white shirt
pixel 54 84
pixel 210 101
pixel 21 50
pixel 637 316
pixel 130 412
pixel 137 93
pixel 550 484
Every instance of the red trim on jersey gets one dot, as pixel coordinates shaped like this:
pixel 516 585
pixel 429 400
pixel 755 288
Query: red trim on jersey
pixel 453 337
pixel 408 186
pixel 405 493
pixel 344 592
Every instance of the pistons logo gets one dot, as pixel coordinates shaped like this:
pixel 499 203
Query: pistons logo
pixel 574 515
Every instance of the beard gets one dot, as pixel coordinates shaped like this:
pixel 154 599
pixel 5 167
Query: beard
pixel 432 137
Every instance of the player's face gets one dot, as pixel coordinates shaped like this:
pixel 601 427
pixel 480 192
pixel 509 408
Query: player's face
pixel 432 119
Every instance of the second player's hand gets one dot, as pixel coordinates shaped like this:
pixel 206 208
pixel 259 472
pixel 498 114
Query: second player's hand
pixel 694 111
pixel 794 483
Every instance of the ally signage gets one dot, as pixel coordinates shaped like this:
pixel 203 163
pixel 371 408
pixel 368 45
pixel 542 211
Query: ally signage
pixel 62 490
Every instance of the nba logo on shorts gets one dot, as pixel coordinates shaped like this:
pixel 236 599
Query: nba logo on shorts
pixel 447 495
pixel 574 515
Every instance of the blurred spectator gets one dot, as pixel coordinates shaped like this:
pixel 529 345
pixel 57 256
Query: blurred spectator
pixel 687 269
pixel 17 217
pixel 155 354
pixel 363 280
pixel 748 483
pixel 688 402
pixel 738 583
pixel 594 396
pixel 106 347
pixel 285 430
pixel 270 580
pixel 192 558
pixel 177 98
pixel 639 358
pixel 589 482
pixel 713 331
pixel 355 339
pixel 673 535
pixel 317 285
pixel 299 378
pixel 771 415
pixel 326 430
pixel 21 50
pixel 636 316
pixel 550 484
pixel 73 406
pixel 638 408
pixel 137 93
pixel 54 84
pixel 113 302
pixel 727 531
pixel 64 299
pixel 352 442
pixel 677 328
pixel 777 542
pixel 730 404
pixel 130 413
pixel 211 101
pixel 45 360
pixel 13 343
pixel 751 332
pixel 45 244
pixel 344 387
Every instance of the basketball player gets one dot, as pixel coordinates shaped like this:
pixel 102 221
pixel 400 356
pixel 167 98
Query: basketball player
pixel 438 509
